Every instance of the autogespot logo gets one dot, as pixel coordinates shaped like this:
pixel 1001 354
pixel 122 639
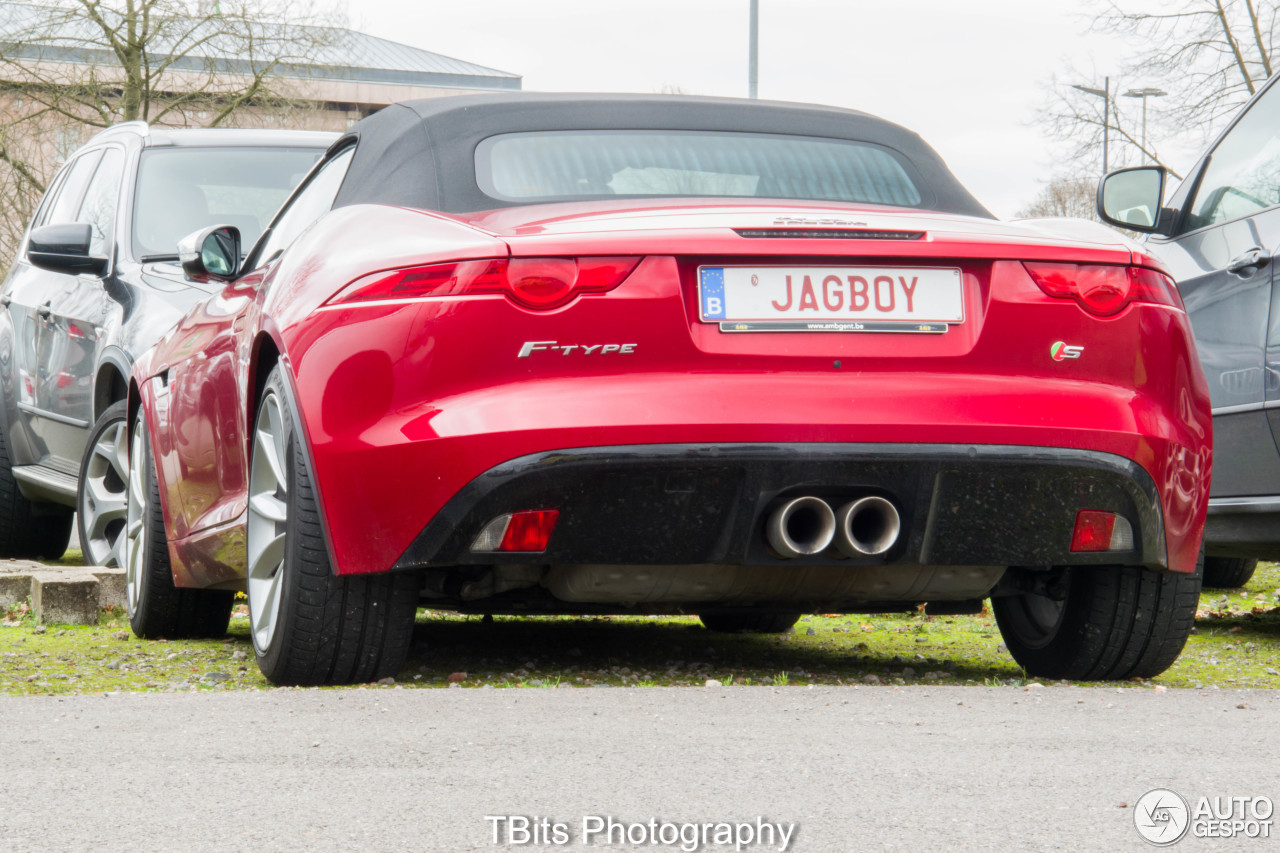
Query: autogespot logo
pixel 1162 817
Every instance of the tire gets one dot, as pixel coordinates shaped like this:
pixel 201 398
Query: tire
pixel 1116 622
pixel 1228 572
pixel 100 497
pixel 309 625
pixel 156 607
pixel 737 622
pixel 28 531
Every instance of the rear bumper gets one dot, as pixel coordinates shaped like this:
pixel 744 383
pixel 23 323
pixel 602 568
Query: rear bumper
pixel 1243 527
pixel 684 504
pixel 389 458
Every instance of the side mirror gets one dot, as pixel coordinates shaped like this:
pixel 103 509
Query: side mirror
pixel 1131 198
pixel 211 251
pixel 64 248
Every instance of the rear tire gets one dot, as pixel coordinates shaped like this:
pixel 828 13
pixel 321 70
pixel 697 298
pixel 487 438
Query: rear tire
pixel 1116 622
pixel 1228 572
pixel 731 622
pixel 158 608
pixel 28 531
pixel 310 626
pixel 100 496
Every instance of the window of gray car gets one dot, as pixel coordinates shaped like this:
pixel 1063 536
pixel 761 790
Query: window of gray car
pixel 314 201
pixel 67 203
pixel 542 166
pixel 181 190
pixel 99 207
pixel 1243 174
pixel 46 203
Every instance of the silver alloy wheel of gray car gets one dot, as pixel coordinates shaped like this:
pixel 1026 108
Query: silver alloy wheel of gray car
pixel 268 518
pixel 135 530
pixel 102 500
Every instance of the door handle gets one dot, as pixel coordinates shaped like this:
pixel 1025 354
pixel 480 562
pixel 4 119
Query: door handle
pixel 44 311
pixel 1250 260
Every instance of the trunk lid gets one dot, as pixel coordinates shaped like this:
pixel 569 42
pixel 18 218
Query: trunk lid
pixel 679 239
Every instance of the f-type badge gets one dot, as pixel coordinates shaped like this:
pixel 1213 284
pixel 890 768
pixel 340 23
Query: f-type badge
pixel 530 347
pixel 1061 351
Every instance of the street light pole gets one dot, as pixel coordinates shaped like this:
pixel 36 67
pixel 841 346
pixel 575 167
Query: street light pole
pixel 1105 94
pixel 753 61
pixel 1145 93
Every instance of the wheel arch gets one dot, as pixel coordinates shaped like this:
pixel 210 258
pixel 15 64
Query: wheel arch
pixel 265 354
pixel 111 384
pixel 131 410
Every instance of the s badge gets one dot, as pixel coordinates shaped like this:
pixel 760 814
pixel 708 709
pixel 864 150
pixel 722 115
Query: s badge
pixel 1061 351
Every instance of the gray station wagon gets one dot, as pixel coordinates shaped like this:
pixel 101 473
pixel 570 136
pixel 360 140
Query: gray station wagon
pixel 1219 234
pixel 97 281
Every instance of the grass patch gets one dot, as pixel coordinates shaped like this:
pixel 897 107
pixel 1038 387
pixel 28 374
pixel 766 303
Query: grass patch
pixel 1236 644
pixel 73 557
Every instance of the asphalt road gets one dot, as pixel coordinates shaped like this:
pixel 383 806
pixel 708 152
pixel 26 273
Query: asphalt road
pixel 854 768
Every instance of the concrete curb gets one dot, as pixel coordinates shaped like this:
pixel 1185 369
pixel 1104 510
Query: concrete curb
pixel 65 598
pixel 69 595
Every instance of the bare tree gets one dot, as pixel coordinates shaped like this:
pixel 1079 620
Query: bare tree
pixel 71 68
pixel 1077 121
pixel 105 61
pixel 1209 55
pixel 1072 197
pixel 25 162
pixel 1212 54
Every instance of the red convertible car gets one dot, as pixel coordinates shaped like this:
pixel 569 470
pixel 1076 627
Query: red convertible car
pixel 598 354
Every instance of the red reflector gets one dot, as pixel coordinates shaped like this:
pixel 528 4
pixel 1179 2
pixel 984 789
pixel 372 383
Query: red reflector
pixel 529 531
pixel 1093 530
pixel 538 283
pixel 1104 289
pixel 542 282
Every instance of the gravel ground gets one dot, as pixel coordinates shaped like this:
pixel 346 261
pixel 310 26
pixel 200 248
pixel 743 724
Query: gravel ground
pixel 886 768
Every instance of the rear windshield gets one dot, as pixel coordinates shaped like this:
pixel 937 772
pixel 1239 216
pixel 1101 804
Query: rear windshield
pixel 545 166
pixel 181 190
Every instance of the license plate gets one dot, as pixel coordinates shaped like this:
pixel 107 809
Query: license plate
pixel 830 299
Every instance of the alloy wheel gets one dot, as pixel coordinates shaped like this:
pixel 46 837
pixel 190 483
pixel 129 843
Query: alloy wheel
pixel 135 530
pixel 268 518
pixel 103 501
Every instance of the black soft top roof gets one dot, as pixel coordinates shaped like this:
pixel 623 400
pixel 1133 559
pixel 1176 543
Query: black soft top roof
pixel 422 153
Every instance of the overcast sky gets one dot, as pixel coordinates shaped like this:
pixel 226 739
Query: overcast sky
pixel 967 76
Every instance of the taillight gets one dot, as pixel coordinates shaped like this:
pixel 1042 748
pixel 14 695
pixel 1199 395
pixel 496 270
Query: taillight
pixel 1100 530
pixel 1104 289
pixel 538 283
pixel 518 532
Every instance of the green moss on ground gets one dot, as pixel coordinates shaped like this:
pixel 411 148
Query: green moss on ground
pixel 1236 644
pixel 73 557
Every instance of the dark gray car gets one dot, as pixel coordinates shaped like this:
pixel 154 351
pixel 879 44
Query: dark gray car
pixel 94 284
pixel 1218 234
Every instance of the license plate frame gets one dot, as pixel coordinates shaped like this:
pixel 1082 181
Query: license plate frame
pixel 862 298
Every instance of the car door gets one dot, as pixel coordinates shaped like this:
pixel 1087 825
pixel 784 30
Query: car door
pixel 1223 254
pixel 28 297
pixel 209 461
pixel 78 309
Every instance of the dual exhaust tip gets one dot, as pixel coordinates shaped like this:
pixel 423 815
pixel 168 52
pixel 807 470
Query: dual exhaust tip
pixel 805 526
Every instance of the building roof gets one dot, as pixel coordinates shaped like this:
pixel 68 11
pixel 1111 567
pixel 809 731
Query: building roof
pixel 391 62
pixel 65 34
